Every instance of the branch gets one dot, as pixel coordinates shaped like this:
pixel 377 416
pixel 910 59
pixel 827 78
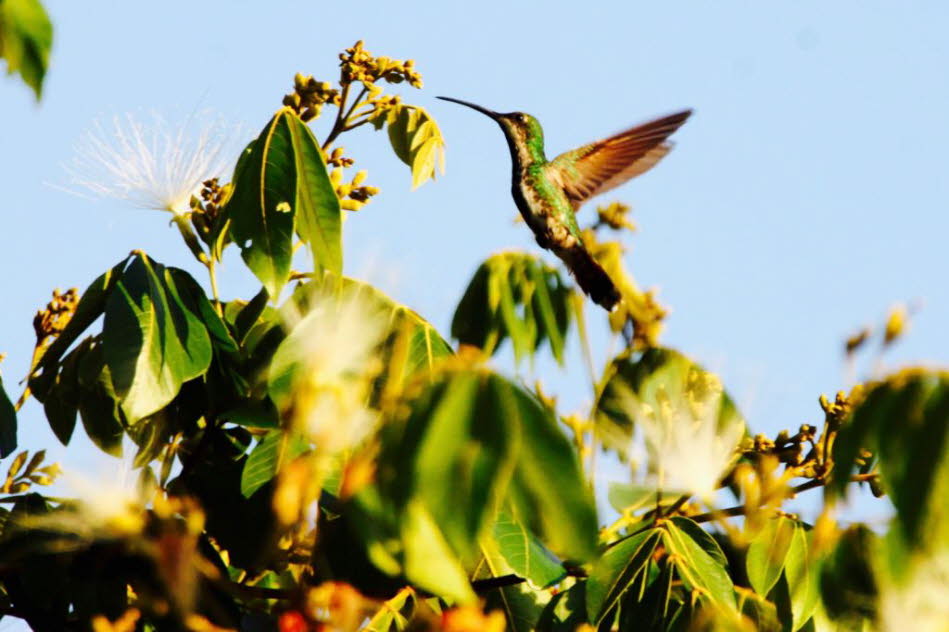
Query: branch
pixel 740 510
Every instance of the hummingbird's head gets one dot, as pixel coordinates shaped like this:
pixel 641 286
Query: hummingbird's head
pixel 523 131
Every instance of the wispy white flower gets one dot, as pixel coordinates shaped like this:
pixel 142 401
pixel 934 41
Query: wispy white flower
pixel 153 164
pixel 920 602
pixel 110 504
pixel 689 444
pixel 333 363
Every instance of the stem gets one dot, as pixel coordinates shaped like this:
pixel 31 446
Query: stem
pixel 212 274
pixel 740 510
pixel 681 500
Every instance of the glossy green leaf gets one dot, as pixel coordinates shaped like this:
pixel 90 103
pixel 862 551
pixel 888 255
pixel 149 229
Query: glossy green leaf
pixel 274 450
pixel 196 301
pixel 26 36
pixel 248 313
pixel 767 553
pixel 152 342
pixel 699 562
pixel 264 202
pixel 802 574
pixel 318 215
pixel 658 375
pixel 616 571
pixel 91 305
pixel 99 407
pixel 7 424
pixel 904 421
pixel 526 556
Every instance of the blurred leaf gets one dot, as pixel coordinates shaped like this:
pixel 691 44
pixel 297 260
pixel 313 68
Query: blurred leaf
pixel 658 374
pixel 762 612
pixel 272 452
pixel 318 215
pixel 152 342
pixel 616 571
pixel 429 561
pixel 801 572
pixel 629 497
pixel 26 36
pixel 263 204
pixel 699 561
pixel 848 586
pixel 904 421
pixel 514 295
pixel 565 612
pixel 767 553
pixel 7 424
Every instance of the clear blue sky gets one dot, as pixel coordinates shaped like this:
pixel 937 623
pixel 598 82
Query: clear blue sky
pixel 806 195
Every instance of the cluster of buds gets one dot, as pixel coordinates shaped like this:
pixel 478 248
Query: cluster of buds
pixel 615 215
pixel 337 159
pixel 309 96
pixel 787 448
pixel 352 195
pixel 206 209
pixel 835 412
pixel 50 322
pixel 358 64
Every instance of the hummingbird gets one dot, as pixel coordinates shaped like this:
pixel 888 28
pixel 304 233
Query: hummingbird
pixel 549 192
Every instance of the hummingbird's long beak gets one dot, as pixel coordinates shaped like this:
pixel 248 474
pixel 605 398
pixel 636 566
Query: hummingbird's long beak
pixel 484 111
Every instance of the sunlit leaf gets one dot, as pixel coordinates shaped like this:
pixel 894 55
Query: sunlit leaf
pixel 616 571
pixel 274 450
pixel 802 576
pixel 416 140
pixel 429 561
pixel 517 296
pixel 26 36
pixel 767 553
pixel 524 553
pixel 152 342
pixel 699 561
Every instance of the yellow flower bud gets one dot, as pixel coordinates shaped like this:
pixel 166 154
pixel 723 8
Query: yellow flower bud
pixel 359 177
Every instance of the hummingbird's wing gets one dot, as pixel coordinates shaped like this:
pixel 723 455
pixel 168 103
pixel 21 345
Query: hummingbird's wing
pixel 608 163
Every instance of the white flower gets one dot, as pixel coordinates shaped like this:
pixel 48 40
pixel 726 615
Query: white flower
pixel 110 504
pixel 332 355
pixel 689 445
pixel 920 602
pixel 155 164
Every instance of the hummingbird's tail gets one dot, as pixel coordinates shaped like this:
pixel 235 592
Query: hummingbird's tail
pixel 592 278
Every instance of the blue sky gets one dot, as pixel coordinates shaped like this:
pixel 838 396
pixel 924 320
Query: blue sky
pixel 806 195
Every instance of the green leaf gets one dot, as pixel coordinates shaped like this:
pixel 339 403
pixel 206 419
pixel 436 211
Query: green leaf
pixel 616 571
pixel 699 561
pixel 263 204
pixel 26 37
pixel 319 218
pixel 514 295
pixel 511 550
pixel 565 612
pixel 7 424
pixel 91 305
pixel 62 398
pixel 417 141
pixel 249 313
pixel 524 553
pixel 274 450
pixel 99 407
pixel 762 612
pixel 548 485
pixel 659 375
pixel 848 585
pixel 429 562
pixel 767 553
pixel 152 342
pixel 904 421
pixel 802 576
pixel 629 497
pixel 196 301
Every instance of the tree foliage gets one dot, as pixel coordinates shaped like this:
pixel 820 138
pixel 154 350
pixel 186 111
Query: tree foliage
pixel 319 456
